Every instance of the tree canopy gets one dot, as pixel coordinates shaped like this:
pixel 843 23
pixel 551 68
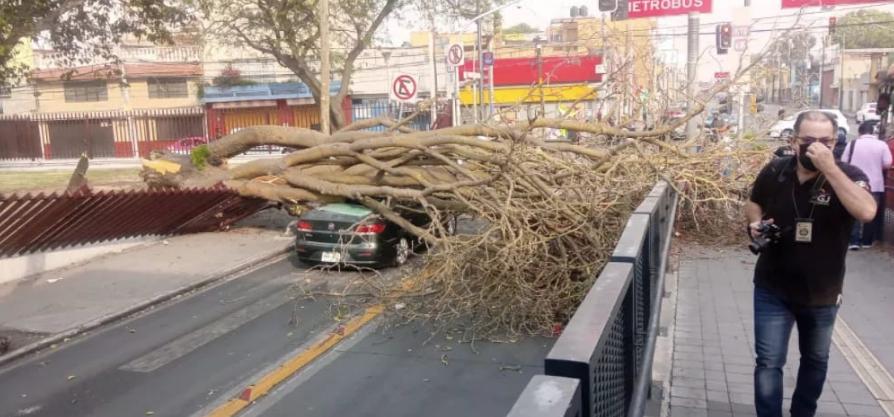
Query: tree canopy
pixel 288 31
pixel 865 29
pixel 521 28
pixel 80 31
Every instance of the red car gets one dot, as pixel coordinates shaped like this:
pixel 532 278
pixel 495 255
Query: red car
pixel 185 145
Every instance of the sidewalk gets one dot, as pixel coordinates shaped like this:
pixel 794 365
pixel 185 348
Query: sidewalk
pixel 64 302
pixel 713 361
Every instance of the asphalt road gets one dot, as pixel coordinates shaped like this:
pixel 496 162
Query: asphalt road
pixel 186 357
pixel 172 361
pixel 401 373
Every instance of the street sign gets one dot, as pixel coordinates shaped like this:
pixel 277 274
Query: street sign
pixel 403 88
pixel 487 58
pixel 653 8
pixel 472 75
pixel 455 54
pixel 797 4
pixel 741 32
pixel 740 45
pixel 723 75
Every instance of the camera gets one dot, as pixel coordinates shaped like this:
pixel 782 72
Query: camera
pixel 768 234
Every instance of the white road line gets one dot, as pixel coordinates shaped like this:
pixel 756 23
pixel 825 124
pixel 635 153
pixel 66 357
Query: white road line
pixel 183 345
pixel 870 370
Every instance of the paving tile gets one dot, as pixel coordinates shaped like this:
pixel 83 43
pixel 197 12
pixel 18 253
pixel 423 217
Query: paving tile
pixel 681 411
pixel 824 408
pixel 688 392
pixel 741 398
pixel 687 382
pixel 688 402
pixel 864 410
pixel 719 406
pixel 717 413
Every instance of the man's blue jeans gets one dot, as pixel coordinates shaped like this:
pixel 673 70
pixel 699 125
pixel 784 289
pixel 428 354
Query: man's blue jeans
pixel 773 321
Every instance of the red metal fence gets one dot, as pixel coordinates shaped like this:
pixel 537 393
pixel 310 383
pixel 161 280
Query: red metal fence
pixel 33 223
pixel 117 134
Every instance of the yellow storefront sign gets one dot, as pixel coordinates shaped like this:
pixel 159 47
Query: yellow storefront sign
pixel 531 94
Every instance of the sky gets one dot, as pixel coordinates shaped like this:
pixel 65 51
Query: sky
pixel 766 17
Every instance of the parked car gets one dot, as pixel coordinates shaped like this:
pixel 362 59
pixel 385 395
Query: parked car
pixel 867 112
pixel 783 129
pixel 185 145
pixel 346 233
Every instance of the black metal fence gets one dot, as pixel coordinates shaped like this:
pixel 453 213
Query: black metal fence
pixel 608 345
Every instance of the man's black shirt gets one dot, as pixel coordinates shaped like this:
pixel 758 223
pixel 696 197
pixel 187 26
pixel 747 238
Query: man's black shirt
pixel 806 274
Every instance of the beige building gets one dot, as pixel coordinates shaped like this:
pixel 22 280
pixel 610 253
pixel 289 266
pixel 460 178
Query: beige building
pixel 117 87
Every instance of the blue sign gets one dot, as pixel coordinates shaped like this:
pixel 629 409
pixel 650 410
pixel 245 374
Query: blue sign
pixel 487 58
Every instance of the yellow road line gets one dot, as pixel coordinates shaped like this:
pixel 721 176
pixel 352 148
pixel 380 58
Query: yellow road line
pixel 267 382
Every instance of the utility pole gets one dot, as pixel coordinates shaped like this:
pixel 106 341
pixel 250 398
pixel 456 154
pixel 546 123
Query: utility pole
pixel 480 57
pixel 539 48
pixel 691 69
pixel 324 67
pixel 841 76
pixel 433 95
pixel 822 73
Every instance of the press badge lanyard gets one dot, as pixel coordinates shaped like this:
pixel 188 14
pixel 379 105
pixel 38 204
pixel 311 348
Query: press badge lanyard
pixel 804 226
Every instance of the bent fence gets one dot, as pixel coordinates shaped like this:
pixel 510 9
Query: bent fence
pixel 33 223
pixel 601 364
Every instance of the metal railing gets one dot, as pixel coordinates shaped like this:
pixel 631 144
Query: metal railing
pixel 609 343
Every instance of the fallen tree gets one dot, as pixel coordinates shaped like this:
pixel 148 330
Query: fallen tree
pixel 549 213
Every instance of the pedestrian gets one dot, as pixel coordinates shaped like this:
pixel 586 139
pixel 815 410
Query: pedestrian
pixel 873 157
pixel 814 200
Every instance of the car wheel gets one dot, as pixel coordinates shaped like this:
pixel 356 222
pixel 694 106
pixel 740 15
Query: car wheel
pixel 401 251
pixel 786 134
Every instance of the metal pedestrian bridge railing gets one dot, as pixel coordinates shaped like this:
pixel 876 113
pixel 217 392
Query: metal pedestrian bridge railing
pixel 601 365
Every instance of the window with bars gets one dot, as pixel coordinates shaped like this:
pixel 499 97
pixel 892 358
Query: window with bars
pixel 85 91
pixel 168 88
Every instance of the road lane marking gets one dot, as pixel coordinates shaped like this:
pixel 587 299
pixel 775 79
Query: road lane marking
pixel 188 343
pixel 267 382
pixel 867 366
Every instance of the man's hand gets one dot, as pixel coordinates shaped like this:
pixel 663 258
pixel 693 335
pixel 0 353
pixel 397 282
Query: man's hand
pixel 755 226
pixel 822 157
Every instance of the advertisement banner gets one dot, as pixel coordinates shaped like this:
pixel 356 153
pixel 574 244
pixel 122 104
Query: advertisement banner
pixel 653 8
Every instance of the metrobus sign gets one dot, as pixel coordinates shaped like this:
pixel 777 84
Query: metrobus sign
pixel 797 4
pixel 653 8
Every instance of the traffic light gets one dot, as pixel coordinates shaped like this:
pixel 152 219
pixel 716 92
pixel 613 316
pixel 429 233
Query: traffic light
pixel 608 5
pixel 724 38
pixel 832 21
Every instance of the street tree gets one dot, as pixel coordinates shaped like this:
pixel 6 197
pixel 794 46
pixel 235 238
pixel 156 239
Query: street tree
pixel 522 28
pixel 79 31
pixel 865 28
pixel 289 32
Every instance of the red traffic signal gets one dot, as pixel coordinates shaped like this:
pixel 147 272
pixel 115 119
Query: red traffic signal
pixel 726 35
pixel 723 38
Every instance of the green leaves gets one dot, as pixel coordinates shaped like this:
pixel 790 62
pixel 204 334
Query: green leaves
pixel 865 28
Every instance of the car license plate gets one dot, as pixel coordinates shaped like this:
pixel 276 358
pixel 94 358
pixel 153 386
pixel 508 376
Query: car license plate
pixel 330 257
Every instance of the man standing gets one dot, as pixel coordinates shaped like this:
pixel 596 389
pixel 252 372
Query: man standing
pixel 873 157
pixel 814 200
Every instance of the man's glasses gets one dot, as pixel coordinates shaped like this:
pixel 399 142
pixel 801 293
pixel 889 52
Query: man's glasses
pixel 807 140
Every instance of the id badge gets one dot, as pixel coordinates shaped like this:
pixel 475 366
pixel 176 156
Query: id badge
pixel 804 230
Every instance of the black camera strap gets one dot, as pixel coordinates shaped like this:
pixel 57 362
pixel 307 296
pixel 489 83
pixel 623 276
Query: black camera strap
pixel 820 182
